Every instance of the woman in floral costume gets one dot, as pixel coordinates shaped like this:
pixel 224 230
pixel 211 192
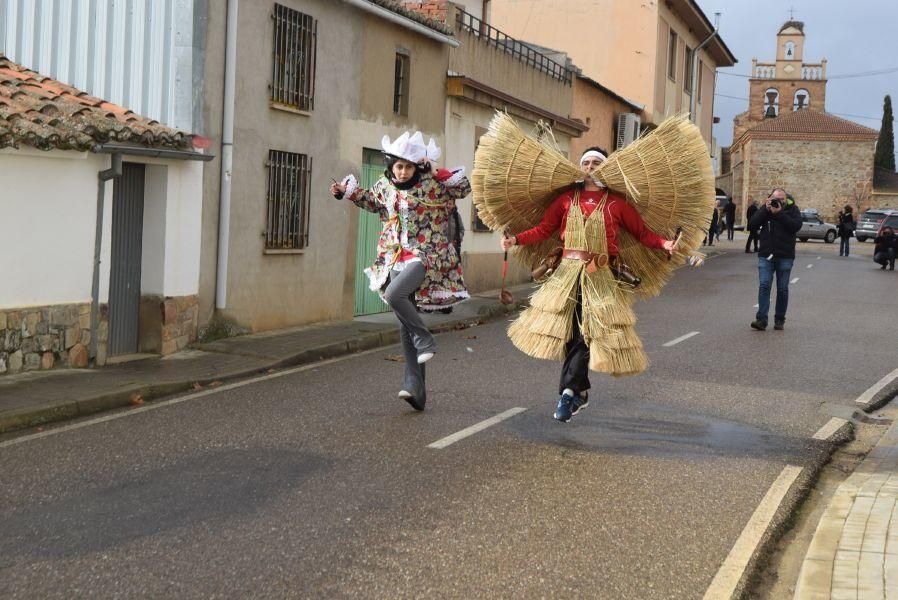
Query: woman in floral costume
pixel 416 262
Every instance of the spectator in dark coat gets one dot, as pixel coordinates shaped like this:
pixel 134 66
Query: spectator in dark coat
pixel 886 248
pixel 778 221
pixel 712 230
pixel 730 211
pixel 846 229
pixel 752 233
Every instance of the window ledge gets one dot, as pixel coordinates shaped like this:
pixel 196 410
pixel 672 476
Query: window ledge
pixel 284 251
pixel 289 109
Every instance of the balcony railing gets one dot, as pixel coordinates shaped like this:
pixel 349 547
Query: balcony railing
pixel 808 71
pixel 467 22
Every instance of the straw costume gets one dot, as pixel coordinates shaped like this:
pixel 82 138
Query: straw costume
pixel 416 263
pixel 582 313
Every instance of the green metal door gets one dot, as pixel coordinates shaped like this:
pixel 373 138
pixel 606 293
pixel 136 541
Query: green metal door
pixel 370 226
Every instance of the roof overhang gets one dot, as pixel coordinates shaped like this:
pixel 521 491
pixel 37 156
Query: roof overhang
pixel 132 150
pixel 461 86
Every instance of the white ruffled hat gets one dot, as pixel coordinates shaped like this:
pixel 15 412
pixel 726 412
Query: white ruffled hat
pixel 411 147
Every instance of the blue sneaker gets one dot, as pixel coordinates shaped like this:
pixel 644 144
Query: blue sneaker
pixel 564 410
pixel 579 402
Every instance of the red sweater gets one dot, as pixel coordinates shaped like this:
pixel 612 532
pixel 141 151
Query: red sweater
pixel 617 212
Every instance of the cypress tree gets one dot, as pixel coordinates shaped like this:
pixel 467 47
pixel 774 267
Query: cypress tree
pixel 885 145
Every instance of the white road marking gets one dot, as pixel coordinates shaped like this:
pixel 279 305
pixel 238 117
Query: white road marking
pixel 468 431
pixel 680 339
pixel 193 396
pixel 811 266
pixel 733 568
pixel 795 280
pixel 757 305
pixel 818 258
pixel 867 396
pixel 827 431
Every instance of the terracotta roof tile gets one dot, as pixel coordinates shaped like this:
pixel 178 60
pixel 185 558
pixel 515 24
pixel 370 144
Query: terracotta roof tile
pixel 42 112
pixel 812 122
pixel 406 9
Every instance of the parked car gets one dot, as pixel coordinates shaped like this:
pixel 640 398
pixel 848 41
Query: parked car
pixel 872 221
pixel 813 227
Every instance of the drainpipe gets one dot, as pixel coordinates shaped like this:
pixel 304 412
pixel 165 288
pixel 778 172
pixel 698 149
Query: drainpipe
pixel 113 172
pixel 695 57
pixel 227 152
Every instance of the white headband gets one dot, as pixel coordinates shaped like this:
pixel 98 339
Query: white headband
pixel 593 154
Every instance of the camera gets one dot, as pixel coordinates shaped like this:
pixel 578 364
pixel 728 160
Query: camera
pixel 776 203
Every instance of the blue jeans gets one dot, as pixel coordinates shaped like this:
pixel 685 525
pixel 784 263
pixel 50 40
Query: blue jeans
pixel 843 245
pixel 766 268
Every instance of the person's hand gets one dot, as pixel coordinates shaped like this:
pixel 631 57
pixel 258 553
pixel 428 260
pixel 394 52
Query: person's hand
pixel 776 209
pixel 670 246
pixel 508 242
pixel 428 166
pixel 338 188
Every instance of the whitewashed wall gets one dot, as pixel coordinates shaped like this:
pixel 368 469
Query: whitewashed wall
pixel 135 53
pixel 49 238
pixel 48 202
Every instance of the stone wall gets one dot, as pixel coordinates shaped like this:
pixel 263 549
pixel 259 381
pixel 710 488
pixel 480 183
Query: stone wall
pixel 180 318
pixel 58 336
pixel 44 337
pixel 825 175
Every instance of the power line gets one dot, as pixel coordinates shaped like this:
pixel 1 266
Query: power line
pixel 827 112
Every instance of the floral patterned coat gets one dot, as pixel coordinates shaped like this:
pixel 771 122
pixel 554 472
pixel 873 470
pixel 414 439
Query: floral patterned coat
pixel 417 219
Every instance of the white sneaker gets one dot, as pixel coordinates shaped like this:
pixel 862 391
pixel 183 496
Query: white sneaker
pixel 423 358
pixel 405 395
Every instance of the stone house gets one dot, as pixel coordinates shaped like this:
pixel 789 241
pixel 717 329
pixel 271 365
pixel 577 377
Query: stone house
pixel 787 139
pixel 93 270
pixel 824 161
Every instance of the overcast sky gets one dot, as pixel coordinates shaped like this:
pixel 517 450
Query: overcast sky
pixel 855 37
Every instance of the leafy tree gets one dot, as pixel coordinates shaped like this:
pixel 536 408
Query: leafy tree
pixel 885 146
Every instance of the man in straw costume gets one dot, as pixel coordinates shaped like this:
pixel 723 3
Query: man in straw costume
pixel 624 222
pixel 589 218
pixel 416 262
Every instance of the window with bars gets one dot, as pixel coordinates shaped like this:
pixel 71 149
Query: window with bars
pixel 289 186
pixel 293 65
pixel 401 84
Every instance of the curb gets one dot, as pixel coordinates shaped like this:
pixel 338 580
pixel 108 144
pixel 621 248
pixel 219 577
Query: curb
pixel 783 518
pixel 41 415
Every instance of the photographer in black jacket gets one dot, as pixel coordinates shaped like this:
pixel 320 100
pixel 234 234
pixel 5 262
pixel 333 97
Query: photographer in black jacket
pixel 777 222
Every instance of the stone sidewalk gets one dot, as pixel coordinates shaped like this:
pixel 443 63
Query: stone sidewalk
pixel 854 551
pixel 38 397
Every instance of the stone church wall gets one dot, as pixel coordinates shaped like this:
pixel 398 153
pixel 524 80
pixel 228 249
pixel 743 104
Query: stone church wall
pixel 825 175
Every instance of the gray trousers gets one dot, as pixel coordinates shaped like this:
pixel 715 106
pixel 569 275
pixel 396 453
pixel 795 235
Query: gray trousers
pixel 413 334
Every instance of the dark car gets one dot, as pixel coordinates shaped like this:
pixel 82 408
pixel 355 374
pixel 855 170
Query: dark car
pixel 871 222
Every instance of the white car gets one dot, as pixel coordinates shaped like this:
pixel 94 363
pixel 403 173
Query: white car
pixel 812 227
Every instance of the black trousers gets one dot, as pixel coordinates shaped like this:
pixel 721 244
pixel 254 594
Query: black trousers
pixel 730 234
pixel 575 369
pixel 885 257
pixel 752 237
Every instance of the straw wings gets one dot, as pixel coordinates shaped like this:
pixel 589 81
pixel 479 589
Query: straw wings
pixel 666 175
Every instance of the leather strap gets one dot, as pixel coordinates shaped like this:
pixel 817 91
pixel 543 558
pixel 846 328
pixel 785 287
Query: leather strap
pixel 601 260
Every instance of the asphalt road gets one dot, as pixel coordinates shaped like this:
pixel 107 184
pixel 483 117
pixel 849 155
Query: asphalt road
pixel 320 483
